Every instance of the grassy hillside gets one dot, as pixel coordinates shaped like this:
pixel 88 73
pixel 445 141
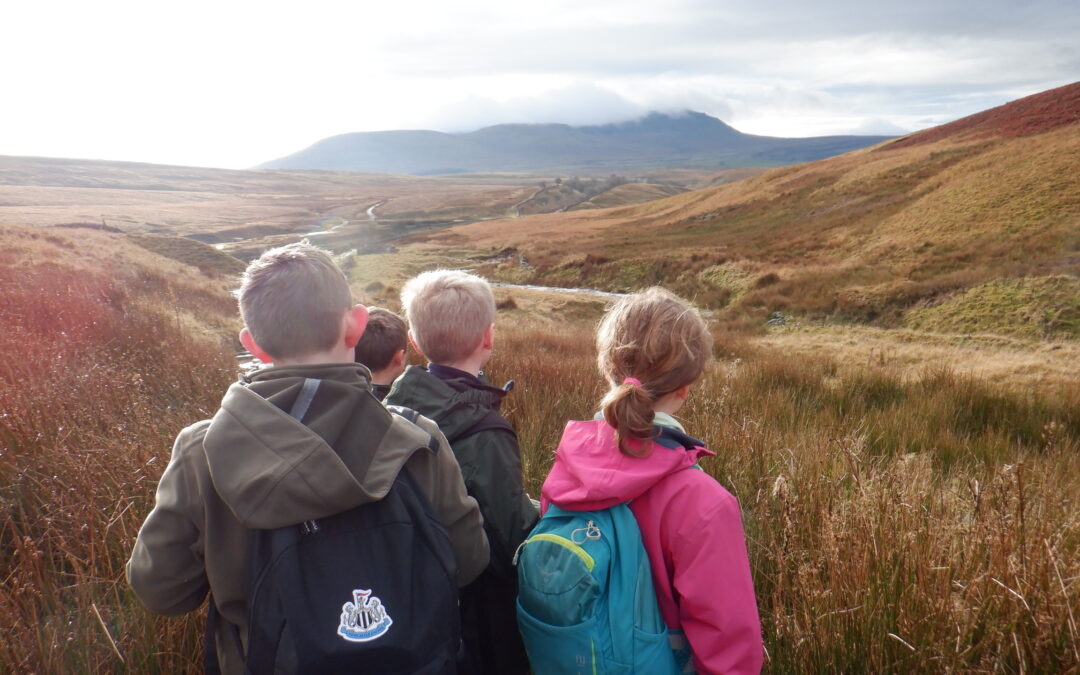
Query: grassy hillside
pixel 898 519
pixel 908 487
pixel 221 206
pixel 861 237
pixel 107 351
pixel 206 258
pixel 1033 307
pixel 625 195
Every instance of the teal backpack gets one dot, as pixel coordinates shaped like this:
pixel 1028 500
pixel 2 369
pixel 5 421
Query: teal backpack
pixel 586 602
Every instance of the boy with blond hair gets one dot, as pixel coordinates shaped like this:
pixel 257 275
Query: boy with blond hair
pixel 382 349
pixel 259 464
pixel 451 318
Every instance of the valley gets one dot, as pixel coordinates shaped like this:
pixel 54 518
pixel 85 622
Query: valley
pixel 894 399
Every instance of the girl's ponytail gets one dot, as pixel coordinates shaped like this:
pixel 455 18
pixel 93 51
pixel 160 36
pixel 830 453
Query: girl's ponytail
pixel 628 408
pixel 648 345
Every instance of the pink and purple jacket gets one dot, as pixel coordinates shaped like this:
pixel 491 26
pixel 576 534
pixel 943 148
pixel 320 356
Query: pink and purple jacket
pixel 690 525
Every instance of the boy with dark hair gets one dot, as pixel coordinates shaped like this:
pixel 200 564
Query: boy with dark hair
pixel 452 323
pixel 253 466
pixel 382 349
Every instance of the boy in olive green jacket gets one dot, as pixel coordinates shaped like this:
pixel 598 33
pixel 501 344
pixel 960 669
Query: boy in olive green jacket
pixel 254 466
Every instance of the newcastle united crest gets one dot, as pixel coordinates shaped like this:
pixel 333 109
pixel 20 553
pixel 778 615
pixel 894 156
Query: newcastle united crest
pixel 364 619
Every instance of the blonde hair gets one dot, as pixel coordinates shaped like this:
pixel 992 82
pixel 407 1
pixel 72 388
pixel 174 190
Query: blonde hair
pixel 657 338
pixel 448 311
pixel 293 299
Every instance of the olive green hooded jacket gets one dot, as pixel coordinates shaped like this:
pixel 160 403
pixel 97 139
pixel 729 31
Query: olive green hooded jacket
pixel 254 466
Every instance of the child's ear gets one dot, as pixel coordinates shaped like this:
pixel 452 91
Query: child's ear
pixel 489 337
pixel 248 341
pixel 355 322
pixel 683 392
pixel 398 359
pixel 415 346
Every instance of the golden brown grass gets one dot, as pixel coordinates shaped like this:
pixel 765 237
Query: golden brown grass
pixel 223 204
pixel 990 358
pixel 898 519
pixel 106 352
pixel 894 524
pixel 205 258
pixel 862 237
pixel 626 195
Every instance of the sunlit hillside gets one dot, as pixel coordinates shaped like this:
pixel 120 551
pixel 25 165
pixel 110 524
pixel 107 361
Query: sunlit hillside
pixel 894 402
pixel 107 350
pixel 898 518
pixel 867 236
pixel 244 212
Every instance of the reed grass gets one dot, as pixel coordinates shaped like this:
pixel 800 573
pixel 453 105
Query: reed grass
pixel 896 521
pixel 97 374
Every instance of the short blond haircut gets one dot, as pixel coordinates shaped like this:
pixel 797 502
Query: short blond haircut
pixel 448 311
pixel 293 300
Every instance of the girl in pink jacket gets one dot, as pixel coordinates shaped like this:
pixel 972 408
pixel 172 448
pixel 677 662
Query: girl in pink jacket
pixel 652 347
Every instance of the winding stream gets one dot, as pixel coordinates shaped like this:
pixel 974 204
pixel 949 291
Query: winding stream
pixel 559 289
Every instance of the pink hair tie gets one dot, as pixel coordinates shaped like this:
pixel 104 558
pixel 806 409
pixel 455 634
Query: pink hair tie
pixel 632 381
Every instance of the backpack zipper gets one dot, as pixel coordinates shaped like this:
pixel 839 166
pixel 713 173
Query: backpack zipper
pixel 565 543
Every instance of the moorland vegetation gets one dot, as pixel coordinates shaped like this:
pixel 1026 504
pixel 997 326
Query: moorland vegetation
pixel 897 521
pixel 904 442
pixel 876 236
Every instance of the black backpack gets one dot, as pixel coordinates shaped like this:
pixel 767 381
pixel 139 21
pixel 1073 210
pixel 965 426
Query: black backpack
pixel 369 590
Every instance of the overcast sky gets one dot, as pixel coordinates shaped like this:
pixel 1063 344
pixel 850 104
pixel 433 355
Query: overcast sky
pixel 233 83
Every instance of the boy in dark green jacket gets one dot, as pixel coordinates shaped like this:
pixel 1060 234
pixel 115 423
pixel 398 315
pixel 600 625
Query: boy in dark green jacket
pixel 451 318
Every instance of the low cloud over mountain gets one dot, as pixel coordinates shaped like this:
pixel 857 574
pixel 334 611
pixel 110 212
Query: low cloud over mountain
pixel 687 139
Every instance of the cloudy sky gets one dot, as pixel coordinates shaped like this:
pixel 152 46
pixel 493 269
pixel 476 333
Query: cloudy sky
pixel 233 83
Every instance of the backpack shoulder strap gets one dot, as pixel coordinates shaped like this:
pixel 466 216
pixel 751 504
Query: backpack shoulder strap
pixel 304 399
pixel 413 416
pixel 402 411
pixel 489 422
pixel 213 617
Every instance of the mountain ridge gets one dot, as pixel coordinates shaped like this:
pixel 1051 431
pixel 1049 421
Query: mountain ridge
pixel 657 139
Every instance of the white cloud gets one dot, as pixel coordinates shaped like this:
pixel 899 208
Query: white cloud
pixel 240 82
pixel 577 104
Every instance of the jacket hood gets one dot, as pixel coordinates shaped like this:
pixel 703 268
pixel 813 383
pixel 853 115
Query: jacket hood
pixel 456 404
pixel 591 473
pixel 272 470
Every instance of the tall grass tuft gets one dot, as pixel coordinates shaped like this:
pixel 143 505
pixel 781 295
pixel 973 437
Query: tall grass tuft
pixel 895 522
pixel 97 374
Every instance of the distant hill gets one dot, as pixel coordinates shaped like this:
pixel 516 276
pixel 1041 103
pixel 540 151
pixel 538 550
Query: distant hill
pixel 972 226
pixel 690 139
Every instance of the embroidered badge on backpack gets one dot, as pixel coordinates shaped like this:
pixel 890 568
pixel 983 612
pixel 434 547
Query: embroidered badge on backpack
pixel 365 619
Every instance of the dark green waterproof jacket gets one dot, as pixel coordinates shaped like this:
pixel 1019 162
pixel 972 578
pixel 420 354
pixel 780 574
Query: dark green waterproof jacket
pixel 467 411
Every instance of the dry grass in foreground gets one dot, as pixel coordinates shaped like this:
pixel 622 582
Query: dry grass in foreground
pixel 104 356
pixel 994 359
pixel 895 524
